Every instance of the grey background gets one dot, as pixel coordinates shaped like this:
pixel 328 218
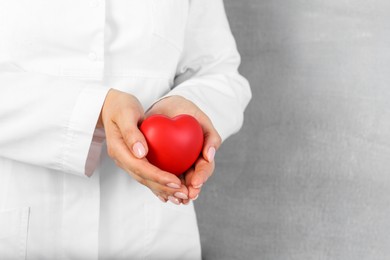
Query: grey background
pixel 308 177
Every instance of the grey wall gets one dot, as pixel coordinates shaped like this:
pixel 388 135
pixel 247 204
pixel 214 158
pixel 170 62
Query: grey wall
pixel 308 177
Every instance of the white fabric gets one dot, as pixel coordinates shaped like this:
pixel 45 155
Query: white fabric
pixel 58 59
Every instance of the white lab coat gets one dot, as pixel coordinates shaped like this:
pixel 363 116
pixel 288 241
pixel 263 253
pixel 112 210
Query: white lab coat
pixel 61 197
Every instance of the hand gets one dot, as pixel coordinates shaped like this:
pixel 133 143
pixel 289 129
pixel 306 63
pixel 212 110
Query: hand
pixel 127 146
pixel 204 166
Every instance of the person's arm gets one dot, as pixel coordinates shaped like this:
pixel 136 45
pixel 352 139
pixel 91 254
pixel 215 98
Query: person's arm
pixel 49 121
pixel 207 77
pixel 207 73
pixel 60 123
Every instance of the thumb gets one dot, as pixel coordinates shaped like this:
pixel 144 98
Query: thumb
pixel 212 141
pixel 132 136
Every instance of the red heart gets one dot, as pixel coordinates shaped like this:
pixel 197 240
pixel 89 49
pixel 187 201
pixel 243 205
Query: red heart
pixel 174 144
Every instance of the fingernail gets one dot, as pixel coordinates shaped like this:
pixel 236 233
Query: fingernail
pixel 139 150
pixel 196 197
pixel 211 154
pixel 198 186
pixel 173 185
pixel 162 199
pixel 181 195
pixel 174 200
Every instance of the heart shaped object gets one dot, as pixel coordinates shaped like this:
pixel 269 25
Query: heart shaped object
pixel 174 143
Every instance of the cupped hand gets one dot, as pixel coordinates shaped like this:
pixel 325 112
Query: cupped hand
pixel 203 168
pixel 120 115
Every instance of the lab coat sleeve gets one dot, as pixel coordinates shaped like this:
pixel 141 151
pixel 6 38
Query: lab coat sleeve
pixel 207 73
pixel 50 121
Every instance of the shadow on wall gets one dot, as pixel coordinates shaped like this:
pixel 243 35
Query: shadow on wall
pixel 308 175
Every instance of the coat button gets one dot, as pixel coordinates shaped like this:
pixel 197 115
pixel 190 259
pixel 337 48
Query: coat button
pixel 92 56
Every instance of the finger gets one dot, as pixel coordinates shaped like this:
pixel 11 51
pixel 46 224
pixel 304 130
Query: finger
pixel 185 201
pixel 164 188
pixel 170 195
pixel 174 200
pixel 125 111
pixel 152 173
pixel 174 196
pixel 163 192
pixel 188 176
pixel 127 121
pixel 184 189
pixel 141 168
pixel 160 197
pixel 203 170
pixel 180 194
pixel 212 141
pixel 192 192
